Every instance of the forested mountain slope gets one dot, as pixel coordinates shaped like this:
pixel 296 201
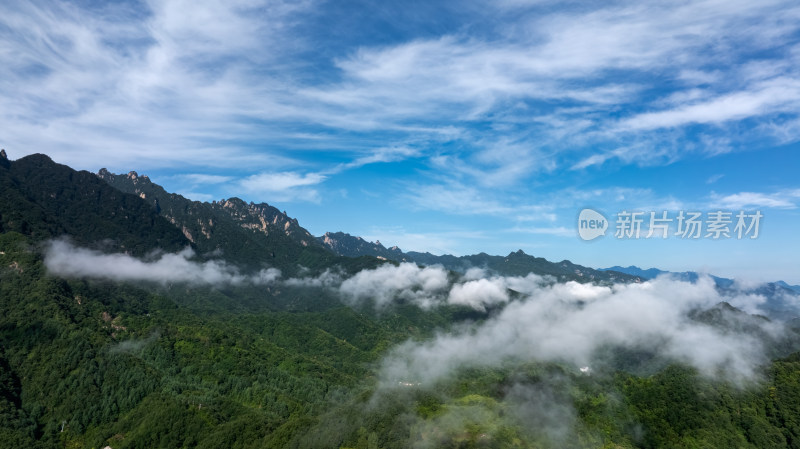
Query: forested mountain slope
pixel 42 199
pixel 353 353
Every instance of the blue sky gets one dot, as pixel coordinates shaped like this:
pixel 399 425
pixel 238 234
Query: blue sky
pixel 450 127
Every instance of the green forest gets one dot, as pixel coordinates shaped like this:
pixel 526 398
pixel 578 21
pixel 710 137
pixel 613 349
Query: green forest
pixel 94 363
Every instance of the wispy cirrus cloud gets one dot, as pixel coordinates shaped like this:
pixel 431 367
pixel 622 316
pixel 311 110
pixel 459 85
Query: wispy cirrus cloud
pixel 771 97
pixel 226 75
pixel 784 199
pixel 460 199
pixel 379 155
pixel 111 72
pixel 284 186
pixel 202 178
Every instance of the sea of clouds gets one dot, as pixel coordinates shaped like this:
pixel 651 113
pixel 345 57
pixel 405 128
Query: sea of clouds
pixel 540 319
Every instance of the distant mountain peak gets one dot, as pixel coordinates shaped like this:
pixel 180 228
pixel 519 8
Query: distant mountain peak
pixel 348 245
pixel 133 176
pixel 39 159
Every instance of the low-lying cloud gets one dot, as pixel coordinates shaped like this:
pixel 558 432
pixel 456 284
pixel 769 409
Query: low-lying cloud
pixel 328 279
pixel 570 322
pixel 405 282
pixel 134 345
pixel 62 258
pixel 541 319
pixel 432 286
pixel 478 293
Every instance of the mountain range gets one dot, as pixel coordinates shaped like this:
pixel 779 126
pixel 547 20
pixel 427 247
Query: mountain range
pixel 256 233
pixel 652 273
pixel 44 199
pixel 781 300
pixel 249 234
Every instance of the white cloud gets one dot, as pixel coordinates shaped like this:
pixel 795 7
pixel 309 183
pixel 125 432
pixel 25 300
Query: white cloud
pixel 389 283
pixel 570 322
pixel 276 182
pixel 380 155
pixel 458 198
pixel 203 178
pixel 196 196
pixel 328 279
pixel 62 258
pixel 284 186
pixel 429 287
pixel 117 71
pixel 224 72
pixel 785 199
pixel 474 273
pixel 775 96
pixel 478 293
